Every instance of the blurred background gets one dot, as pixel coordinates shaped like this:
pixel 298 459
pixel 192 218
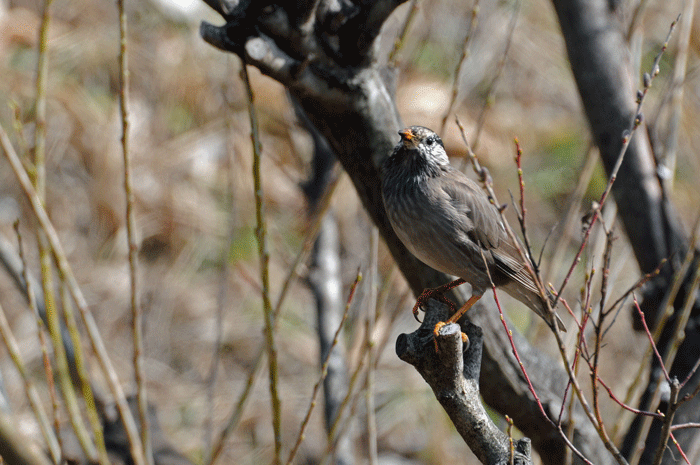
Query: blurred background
pixel 195 210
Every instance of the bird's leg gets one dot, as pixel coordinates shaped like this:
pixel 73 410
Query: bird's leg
pixel 457 315
pixel 464 308
pixel 438 294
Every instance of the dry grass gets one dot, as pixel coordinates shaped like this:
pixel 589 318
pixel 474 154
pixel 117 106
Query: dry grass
pixel 190 132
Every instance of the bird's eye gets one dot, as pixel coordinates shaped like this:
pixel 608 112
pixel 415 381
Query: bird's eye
pixel 429 141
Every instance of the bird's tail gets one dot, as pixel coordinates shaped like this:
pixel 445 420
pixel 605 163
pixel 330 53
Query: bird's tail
pixel 536 303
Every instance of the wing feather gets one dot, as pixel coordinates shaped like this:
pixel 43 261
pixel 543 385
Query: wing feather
pixel 482 224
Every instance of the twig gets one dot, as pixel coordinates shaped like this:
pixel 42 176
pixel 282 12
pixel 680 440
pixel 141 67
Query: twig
pixel 311 234
pixel 680 451
pixel 682 319
pixel 651 338
pixel 370 324
pixel 66 274
pixel 666 165
pixel 626 137
pixel 685 426
pixel 612 395
pixel 136 311
pixel 599 336
pixel 511 444
pixel 527 377
pixel 324 372
pixel 458 67
pixel 522 211
pixel 691 373
pixel 481 119
pixel 53 441
pixel 261 235
pixel 29 388
pixel 401 37
pixel 667 422
pixel 37 175
pixel 83 377
pixel 39 178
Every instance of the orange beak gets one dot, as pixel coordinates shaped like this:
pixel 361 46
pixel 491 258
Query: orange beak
pixel 406 134
pixel 408 138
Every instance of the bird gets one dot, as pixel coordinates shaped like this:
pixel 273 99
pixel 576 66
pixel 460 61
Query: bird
pixel 449 223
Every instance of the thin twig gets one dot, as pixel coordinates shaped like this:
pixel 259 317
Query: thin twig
pixel 136 311
pixel 667 421
pixel 458 67
pixel 370 323
pixel 66 274
pixel 598 327
pixel 527 377
pixel 491 89
pixel 666 164
pixel 40 118
pixel 29 388
pixel 511 443
pixel 37 174
pixel 324 372
pixel 651 338
pixel 626 138
pixel 400 39
pixel 612 395
pixel 522 211
pixel 685 426
pixel 53 441
pixel 261 236
pixel 310 236
pixel 691 373
pixel 682 320
pixel 83 376
pixel 680 450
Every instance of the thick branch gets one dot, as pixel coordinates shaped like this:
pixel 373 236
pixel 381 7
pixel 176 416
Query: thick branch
pixel 453 374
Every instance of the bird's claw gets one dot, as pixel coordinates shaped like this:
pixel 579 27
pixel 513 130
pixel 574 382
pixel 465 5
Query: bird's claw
pixel 416 308
pixel 436 333
pixel 436 293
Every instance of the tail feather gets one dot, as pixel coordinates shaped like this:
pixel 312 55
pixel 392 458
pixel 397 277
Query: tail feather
pixel 534 301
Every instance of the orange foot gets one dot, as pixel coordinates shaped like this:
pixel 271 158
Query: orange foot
pixel 436 333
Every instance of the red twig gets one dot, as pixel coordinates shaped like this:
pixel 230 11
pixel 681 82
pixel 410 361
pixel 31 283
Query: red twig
pixel 626 137
pixel 680 451
pixel 527 377
pixel 651 338
pixel 685 426
pixel 625 406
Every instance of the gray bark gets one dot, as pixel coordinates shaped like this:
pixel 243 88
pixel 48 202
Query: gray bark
pixel 452 371
pixel 326 285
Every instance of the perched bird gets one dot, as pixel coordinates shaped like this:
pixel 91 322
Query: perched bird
pixel 446 220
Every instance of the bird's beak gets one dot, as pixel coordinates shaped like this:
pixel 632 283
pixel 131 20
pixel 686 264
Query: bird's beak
pixel 408 138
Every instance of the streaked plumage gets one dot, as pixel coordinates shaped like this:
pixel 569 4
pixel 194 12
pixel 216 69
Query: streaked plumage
pixel 447 221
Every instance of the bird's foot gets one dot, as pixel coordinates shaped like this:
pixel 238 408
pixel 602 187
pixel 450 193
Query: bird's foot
pixel 436 333
pixel 437 293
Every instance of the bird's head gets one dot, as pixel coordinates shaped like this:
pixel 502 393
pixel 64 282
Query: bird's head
pixel 419 141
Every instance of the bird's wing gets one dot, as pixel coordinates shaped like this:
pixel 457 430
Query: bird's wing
pixel 481 222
